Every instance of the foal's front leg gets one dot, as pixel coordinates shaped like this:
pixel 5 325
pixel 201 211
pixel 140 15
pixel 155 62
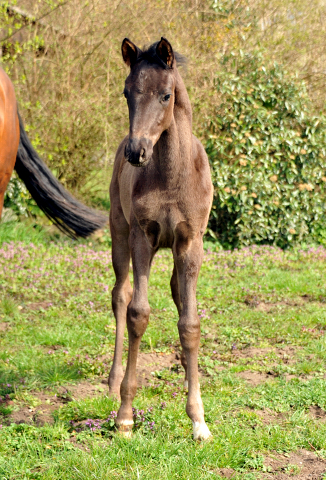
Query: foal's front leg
pixel 121 293
pixel 188 257
pixel 137 321
pixel 176 298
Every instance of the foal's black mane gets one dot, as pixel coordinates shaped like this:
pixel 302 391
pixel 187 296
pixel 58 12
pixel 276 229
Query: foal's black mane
pixel 149 54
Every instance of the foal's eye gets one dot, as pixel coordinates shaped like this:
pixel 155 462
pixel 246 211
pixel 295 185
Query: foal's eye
pixel 166 98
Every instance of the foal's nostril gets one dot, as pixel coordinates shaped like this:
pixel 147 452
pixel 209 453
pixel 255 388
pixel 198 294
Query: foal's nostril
pixel 138 151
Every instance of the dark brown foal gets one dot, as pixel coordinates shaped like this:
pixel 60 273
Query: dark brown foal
pixel 163 204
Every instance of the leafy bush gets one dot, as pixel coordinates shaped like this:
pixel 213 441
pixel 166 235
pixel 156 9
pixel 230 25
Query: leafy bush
pixel 267 155
pixel 17 197
pixel 64 59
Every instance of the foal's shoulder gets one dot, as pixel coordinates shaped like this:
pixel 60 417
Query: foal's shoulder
pixel 120 153
pixel 118 163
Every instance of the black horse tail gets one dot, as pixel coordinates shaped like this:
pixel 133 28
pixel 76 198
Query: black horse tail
pixel 71 217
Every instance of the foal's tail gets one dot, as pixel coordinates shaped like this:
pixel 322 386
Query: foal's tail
pixel 71 217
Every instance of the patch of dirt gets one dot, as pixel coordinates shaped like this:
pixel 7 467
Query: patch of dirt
pixel 285 353
pixel 88 390
pixel 226 472
pixel 4 326
pixel 311 298
pixel 266 307
pixel 252 300
pixel 49 402
pixel 152 362
pixel 255 301
pixel 74 442
pixel 252 352
pixel 269 307
pixel 39 415
pixel 267 416
pixel 289 376
pixel 302 465
pixel 254 378
pixel 37 306
pixel 317 412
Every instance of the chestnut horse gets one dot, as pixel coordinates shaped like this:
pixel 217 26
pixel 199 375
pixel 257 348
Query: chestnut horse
pixel 164 203
pixel 16 151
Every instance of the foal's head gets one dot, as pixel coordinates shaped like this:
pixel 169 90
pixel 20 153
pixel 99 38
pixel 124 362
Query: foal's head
pixel 149 90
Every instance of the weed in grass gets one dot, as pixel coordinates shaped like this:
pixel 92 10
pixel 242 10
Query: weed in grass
pixel 8 309
pixel 292 469
pixel 51 373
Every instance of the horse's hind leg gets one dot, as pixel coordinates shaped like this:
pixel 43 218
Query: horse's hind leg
pixel 188 255
pixel 176 298
pixel 1 202
pixel 4 180
pixel 137 320
pixel 121 294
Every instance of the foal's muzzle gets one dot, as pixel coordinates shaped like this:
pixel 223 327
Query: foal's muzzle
pixel 138 151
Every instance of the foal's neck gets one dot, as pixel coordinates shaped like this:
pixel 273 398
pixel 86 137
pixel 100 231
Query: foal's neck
pixel 175 144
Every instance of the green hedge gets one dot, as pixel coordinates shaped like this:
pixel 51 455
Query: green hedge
pixel 267 155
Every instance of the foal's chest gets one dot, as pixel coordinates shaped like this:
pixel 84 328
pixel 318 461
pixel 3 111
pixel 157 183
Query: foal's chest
pixel 160 206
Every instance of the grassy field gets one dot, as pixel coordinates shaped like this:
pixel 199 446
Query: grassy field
pixel 262 366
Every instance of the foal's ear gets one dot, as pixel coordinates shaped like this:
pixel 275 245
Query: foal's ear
pixel 165 52
pixel 130 52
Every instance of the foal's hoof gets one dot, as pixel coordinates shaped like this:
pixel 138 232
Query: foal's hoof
pixel 125 429
pixel 201 431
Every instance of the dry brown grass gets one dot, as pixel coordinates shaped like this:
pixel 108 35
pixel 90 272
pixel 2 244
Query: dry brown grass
pixel 68 72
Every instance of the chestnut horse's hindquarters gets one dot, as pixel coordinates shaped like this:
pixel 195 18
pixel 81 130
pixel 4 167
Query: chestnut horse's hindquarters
pixel 67 213
pixel 9 133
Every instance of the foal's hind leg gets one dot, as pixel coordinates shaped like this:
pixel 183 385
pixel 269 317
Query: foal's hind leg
pixel 176 298
pixel 137 320
pixel 188 254
pixel 121 295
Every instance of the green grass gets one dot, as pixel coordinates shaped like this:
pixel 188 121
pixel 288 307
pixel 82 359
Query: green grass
pixel 57 329
pixel 16 232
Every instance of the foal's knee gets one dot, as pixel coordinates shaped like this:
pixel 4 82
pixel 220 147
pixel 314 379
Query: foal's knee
pixel 137 318
pixel 189 332
pixel 120 297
